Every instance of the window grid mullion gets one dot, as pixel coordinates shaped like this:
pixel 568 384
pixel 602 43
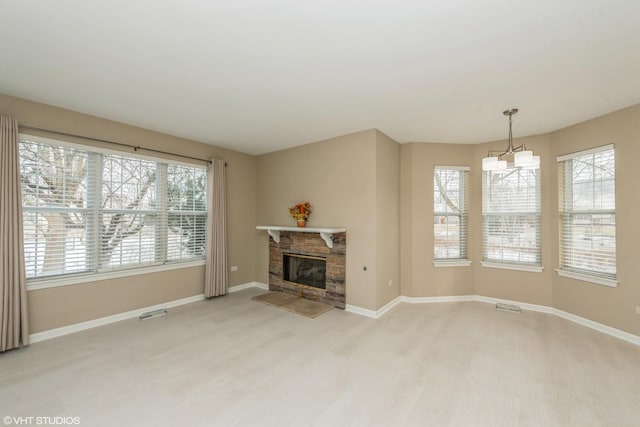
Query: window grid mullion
pixel 162 228
pixel 454 245
pixel 594 253
pixel 94 197
pixel 75 222
pixel 505 232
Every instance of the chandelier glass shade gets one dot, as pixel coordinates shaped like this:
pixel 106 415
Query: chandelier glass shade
pixel 522 158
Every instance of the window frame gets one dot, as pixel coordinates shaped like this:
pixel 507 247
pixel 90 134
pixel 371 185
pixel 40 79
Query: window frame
pixel 94 182
pixel 462 215
pixel 533 266
pixel 566 210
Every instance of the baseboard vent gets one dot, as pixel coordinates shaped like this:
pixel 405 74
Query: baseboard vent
pixel 154 313
pixel 508 307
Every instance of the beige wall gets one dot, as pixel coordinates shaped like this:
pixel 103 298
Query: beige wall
pixel 533 288
pixel 55 307
pixel 382 194
pixel 419 277
pixel 614 307
pixel 611 306
pixel 407 241
pixel 387 219
pixel 337 177
pixel 352 181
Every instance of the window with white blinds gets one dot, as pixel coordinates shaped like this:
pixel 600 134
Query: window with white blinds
pixel 450 216
pixel 187 212
pixel 511 217
pixel 57 189
pixel 587 206
pixel 90 211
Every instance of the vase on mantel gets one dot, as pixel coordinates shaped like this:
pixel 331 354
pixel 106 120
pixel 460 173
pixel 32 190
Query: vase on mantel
pixel 301 223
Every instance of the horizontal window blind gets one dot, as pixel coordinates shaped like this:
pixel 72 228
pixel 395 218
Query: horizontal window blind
pixel 187 216
pixel 57 184
pixel 586 184
pixel 129 212
pixel 89 212
pixel 511 216
pixel 450 220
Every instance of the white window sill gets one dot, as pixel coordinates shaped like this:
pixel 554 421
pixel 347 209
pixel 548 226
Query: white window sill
pixel 91 277
pixel 452 263
pixel 518 267
pixel 587 278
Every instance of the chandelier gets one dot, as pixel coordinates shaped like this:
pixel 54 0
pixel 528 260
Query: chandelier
pixel 522 158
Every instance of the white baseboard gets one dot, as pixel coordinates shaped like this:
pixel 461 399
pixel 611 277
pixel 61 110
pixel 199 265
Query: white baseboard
pixel 429 300
pixel 361 311
pixel 94 323
pixel 244 286
pixel 388 306
pixel 522 305
pixel 625 336
pixel 376 314
pixel 77 327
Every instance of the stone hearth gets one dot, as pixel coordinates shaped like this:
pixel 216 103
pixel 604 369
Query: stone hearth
pixel 311 244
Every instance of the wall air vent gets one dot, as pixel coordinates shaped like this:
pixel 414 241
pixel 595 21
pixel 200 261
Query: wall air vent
pixel 508 307
pixel 154 313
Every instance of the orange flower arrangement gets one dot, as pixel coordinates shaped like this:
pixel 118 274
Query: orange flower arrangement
pixel 301 211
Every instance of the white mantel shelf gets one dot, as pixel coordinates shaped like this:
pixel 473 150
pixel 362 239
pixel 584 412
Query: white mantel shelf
pixel 325 233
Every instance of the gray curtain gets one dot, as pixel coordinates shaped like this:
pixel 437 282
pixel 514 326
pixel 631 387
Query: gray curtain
pixel 14 322
pixel 216 280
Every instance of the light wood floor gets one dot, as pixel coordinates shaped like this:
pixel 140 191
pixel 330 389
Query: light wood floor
pixel 235 362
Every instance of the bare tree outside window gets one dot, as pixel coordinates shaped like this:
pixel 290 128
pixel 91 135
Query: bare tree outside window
pixel 187 204
pixel 587 213
pixel 88 212
pixel 511 216
pixel 54 194
pixel 450 213
pixel 129 212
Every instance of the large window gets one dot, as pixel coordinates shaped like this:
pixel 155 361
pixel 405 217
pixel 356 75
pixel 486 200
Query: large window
pixel 587 206
pixel 90 212
pixel 450 216
pixel 511 219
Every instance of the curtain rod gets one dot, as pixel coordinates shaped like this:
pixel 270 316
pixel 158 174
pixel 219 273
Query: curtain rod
pixel 135 147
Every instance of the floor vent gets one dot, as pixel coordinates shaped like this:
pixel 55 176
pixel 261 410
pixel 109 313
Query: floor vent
pixel 508 307
pixel 154 313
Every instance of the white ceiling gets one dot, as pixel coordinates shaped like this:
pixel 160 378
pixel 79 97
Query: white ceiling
pixel 258 76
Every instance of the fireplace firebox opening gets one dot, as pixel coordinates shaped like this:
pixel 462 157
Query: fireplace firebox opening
pixel 305 270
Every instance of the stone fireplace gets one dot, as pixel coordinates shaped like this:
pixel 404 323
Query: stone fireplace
pixel 304 270
pixel 308 262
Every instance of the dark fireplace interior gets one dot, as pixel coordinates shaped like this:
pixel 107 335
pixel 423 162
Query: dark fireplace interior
pixel 305 270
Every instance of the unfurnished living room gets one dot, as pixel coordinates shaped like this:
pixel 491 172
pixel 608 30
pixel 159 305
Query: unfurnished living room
pixel 333 213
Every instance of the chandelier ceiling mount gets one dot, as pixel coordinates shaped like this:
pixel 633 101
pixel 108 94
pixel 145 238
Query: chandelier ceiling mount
pixel 522 158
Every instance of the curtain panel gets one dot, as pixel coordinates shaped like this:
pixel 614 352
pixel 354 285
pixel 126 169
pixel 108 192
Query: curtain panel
pixel 216 272
pixel 14 321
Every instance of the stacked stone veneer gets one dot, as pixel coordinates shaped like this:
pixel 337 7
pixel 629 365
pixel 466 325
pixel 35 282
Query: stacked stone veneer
pixel 311 244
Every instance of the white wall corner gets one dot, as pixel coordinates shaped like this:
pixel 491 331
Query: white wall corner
pixel 248 285
pixel 361 311
pixel 374 314
pixel 388 306
pixel 261 285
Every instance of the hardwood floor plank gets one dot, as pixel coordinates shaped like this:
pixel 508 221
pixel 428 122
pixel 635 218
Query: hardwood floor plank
pixel 235 362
